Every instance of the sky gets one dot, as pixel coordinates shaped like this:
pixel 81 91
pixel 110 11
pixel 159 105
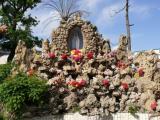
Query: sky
pixel 144 14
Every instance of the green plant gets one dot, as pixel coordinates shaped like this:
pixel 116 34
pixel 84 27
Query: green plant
pixel 75 109
pixel 133 109
pixel 20 91
pixel 1 117
pixel 5 71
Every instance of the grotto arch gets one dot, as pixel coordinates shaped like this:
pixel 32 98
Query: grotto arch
pixel 75 38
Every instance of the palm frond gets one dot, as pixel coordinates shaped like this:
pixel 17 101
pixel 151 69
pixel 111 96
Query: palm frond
pixel 65 8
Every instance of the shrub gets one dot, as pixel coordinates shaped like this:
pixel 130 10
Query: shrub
pixel 133 109
pixel 1 117
pixel 5 71
pixel 21 90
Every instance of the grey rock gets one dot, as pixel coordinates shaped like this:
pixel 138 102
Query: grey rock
pixel 71 100
pixel 104 102
pixel 90 100
pixel 27 115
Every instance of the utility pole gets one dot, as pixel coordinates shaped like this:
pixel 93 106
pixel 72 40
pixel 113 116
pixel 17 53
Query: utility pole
pixel 127 21
pixel 128 25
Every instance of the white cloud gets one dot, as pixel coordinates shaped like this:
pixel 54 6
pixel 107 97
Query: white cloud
pixel 108 15
pixel 142 11
pixel 115 47
pixel 46 25
pixel 90 4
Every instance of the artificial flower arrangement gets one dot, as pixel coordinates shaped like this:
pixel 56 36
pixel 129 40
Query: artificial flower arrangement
pixel 105 83
pixel 30 72
pixel 51 55
pixel 124 86
pixel 64 56
pixel 73 84
pixel 90 55
pixel 37 59
pixel 154 105
pixel 139 73
pixel 76 55
pixel 121 65
pixel 111 54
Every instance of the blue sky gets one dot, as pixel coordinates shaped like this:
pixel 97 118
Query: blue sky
pixel 144 14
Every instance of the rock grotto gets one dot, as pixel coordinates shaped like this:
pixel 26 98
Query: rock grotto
pixel 85 75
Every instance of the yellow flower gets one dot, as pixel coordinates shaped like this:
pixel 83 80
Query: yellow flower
pixel 37 56
pixel 136 75
pixel 73 52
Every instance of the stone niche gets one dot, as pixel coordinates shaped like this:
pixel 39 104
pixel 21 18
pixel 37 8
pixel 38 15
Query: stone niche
pixel 78 34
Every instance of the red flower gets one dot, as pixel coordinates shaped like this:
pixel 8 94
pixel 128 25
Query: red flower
pixel 76 84
pixel 64 56
pixel 51 55
pixel 122 65
pixel 125 86
pixel 90 55
pixel 30 72
pixel 154 105
pixel 105 83
pixel 141 72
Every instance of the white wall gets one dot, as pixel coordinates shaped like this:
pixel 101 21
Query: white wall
pixel 3 59
pixel 77 116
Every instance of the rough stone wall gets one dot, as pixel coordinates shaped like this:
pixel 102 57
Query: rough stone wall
pixel 104 83
pixel 148 61
pixel 122 52
pixel 23 56
pixel 92 40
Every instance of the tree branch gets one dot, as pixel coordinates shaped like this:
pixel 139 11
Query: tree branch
pixel 116 12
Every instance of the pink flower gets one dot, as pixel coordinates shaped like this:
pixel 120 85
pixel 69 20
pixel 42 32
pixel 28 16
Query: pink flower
pixel 113 53
pixel 51 55
pixel 77 52
pixel 154 105
pixel 90 55
pixel 125 86
pixel 82 82
pixel 105 83
pixel 77 58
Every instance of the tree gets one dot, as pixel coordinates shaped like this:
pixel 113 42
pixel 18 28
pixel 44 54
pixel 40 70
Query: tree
pixel 65 8
pixel 19 24
pixel 128 25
